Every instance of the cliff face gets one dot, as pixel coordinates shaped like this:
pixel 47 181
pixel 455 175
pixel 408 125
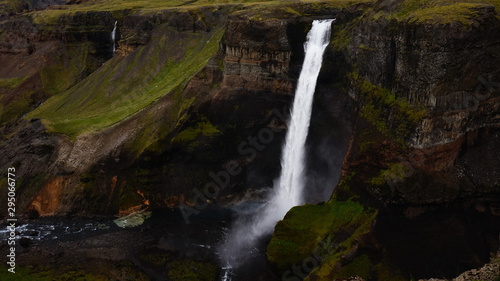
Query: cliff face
pixel 435 66
pixel 412 99
pixel 42 59
pixel 452 94
pixel 180 128
pixel 76 159
pixel 428 103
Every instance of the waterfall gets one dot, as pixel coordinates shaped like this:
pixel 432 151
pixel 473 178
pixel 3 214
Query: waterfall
pixel 289 187
pixel 291 182
pixel 113 37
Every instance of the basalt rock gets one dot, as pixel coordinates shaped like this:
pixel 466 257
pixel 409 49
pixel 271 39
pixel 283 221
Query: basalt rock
pixel 460 113
pixel 416 101
pixel 417 127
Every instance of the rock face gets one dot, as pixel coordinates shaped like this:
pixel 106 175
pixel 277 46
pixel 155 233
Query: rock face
pixel 246 86
pixel 420 63
pixel 257 56
pixel 489 271
pixel 412 101
pixel 443 73
pixel 40 60
pixel 409 156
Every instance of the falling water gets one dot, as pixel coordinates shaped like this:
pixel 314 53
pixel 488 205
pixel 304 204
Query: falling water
pixel 113 37
pixel 291 182
pixel 289 187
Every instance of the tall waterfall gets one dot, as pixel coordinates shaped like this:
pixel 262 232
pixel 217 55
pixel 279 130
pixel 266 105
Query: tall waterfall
pixel 289 187
pixel 291 182
pixel 113 37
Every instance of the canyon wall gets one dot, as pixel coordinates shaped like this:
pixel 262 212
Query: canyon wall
pixel 410 100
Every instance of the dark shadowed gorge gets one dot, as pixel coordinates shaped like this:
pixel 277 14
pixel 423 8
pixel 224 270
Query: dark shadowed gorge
pixel 402 151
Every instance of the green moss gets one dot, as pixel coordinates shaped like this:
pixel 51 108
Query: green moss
pixel 392 116
pixel 395 173
pixel 359 224
pixel 460 12
pixel 202 128
pixel 366 140
pixel 345 185
pixel 16 108
pixel 342 34
pixel 120 7
pixel 153 136
pixel 341 37
pixel 409 6
pixel 11 83
pixel 281 9
pixel 440 12
pixel 188 270
pixel 302 230
pixel 183 106
pixel 360 266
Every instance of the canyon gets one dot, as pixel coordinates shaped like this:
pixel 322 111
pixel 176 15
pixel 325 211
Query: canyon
pixel 403 143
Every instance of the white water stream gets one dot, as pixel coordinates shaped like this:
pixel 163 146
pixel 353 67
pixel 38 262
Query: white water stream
pixel 113 37
pixel 289 188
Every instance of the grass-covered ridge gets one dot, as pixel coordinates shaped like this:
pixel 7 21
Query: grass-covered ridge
pixel 121 88
pixel 405 9
pixel 142 6
pixel 262 8
pixel 440 11
pixel 286 9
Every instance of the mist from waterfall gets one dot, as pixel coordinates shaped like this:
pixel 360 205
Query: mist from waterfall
pixel 288 189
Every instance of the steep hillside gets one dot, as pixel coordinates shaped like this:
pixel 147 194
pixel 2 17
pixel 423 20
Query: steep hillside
pixel 405 122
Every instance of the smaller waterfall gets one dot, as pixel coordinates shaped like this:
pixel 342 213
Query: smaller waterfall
pixel 113 37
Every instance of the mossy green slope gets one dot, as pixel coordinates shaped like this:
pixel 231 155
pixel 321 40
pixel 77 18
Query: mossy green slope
pixel 304 228
pixel 262 9
pixel 123 87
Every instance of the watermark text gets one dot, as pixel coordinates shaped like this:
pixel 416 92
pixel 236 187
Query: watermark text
pixel 11 220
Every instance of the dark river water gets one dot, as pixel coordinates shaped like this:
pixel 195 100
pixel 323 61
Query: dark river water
pixel 201 237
